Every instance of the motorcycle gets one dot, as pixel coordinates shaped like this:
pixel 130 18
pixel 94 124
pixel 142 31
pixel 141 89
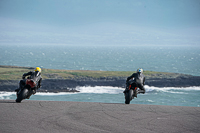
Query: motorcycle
pixel 131 92
pixel 26 91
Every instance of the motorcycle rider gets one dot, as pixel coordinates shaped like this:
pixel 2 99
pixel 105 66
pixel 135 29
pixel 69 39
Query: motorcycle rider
pixel 35 76
pixel 139 81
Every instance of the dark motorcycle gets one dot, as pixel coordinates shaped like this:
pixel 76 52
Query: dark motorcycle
pixel 131 91
pixel 26 91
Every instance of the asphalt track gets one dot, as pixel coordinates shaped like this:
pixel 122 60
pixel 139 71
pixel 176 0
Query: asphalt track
pixel 72 117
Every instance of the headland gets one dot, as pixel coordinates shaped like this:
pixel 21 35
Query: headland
pixel 67 80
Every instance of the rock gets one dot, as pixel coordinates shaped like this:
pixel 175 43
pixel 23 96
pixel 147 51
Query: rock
pixel 69 85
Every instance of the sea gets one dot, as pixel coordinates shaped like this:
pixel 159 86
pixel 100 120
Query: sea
pixel 183 59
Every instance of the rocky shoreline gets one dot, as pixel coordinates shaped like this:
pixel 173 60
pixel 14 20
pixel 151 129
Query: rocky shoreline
pixel 69 85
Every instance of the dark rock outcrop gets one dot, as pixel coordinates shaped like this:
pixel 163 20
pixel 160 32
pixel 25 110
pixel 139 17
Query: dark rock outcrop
pixel 69 85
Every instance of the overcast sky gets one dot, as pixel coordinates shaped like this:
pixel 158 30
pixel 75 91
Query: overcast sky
pixel 102 22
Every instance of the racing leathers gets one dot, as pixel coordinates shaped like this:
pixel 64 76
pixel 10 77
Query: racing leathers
pixel 35 76
pixel 139 81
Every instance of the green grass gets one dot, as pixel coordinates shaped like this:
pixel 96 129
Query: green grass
pixel 15 73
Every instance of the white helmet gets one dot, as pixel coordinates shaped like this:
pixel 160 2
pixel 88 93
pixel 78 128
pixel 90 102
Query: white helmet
pixel 140 70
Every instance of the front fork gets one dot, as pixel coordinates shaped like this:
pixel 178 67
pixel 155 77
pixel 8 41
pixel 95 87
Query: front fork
pixel 135 91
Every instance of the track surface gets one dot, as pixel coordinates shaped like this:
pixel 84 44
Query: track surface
pixel 71 117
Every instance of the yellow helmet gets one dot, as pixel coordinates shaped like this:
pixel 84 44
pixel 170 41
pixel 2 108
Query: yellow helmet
pixel 38 69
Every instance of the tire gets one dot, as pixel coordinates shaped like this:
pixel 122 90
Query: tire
pixel 23 94
pixel 128 97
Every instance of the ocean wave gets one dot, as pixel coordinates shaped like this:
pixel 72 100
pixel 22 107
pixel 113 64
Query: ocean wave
pixel 150 101
pixel 152 88
pixel 174 90
pixel 6 95
pixel 3 93
pixel 118 90
pixel 108 90
pixel 54 94
pixel 100 89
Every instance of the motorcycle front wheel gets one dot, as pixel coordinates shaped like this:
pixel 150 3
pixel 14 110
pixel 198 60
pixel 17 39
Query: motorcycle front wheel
pixel 22 95
pixel 128 96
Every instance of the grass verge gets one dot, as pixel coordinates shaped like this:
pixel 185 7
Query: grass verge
pixel 15 73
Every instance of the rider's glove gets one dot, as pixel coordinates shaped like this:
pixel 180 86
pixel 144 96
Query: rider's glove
pixel 23 77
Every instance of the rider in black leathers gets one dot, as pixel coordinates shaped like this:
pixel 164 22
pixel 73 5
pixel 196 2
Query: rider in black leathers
pixel 139 80
pixel 35 76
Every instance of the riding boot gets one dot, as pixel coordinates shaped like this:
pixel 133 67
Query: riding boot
pixel 34 91
pixel 143 91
